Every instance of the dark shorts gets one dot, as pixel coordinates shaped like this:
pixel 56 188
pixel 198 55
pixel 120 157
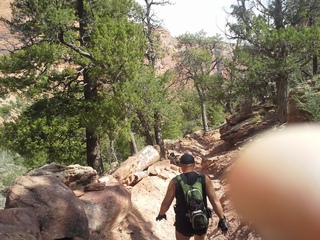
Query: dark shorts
pixel 183 226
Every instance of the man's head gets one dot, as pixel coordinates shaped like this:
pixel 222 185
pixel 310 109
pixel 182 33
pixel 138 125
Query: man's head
pixel 186 159
pixel 187 163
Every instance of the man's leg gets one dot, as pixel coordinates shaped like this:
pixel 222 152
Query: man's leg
pixel 179 236
pixel 198 237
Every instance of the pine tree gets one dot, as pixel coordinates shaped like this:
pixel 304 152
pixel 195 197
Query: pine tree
pixel 72 53
pixel 199 61
pixel 277 43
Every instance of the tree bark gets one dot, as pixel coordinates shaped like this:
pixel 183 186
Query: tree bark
pixel 113 152
pixel 147 129
pixel 204 116
pixel 94 159
pixel 137 163
pixel 282 96
pixel 315 57
pixel 133 144
pixel 202 98
pixel 158 134
pixel 315 65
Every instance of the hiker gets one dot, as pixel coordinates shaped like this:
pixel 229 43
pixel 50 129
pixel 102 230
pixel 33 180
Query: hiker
pixel 183 225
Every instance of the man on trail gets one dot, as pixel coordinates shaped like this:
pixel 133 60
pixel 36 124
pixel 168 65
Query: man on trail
pixel 183 225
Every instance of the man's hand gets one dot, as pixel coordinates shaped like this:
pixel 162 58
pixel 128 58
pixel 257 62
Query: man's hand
pixel 160 217
pixel 223 225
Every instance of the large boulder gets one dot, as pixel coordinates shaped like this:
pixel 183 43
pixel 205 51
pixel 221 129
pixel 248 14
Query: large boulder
pixel 106 209
pixel 242 126
pixel 60 213
pixel 74 176
pixel 239 132
pixel 19 224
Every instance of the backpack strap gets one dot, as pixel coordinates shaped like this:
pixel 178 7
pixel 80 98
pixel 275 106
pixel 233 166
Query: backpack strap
pixel 179 191
pixel 177 180
pixel 181 179
pixel 204 192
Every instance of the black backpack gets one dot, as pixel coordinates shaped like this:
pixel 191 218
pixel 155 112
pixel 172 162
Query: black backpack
pixel 197 212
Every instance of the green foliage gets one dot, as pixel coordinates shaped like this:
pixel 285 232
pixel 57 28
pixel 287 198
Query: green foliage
pixel 191 111
pixel 11 167
pixel 114 46
pixel 198 56
pixel 308 98
pixel 47 131
pixel 11 108
pixel 215 115
pixel 5 111
pixel 121 146
pixel 149 94
pixel 175 123
pixel 244 82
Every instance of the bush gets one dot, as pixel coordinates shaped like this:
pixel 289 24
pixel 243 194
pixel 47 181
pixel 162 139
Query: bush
pixel 308 97
pixel 11 168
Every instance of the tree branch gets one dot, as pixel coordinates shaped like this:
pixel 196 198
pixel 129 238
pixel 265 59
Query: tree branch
pixel 74 47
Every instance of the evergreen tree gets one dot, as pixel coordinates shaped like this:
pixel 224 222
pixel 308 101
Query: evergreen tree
pixel 276 42
pixel 74 51
pixel 152 30
pixel 199 61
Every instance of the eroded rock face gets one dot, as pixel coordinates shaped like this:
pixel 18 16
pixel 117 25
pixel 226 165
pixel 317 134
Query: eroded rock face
pixel 19 223
pixel 243 125
pixel 106 209
pixel 239 132
pixel 60 213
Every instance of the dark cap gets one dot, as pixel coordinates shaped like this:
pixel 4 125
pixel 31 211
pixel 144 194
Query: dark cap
pixel 186 159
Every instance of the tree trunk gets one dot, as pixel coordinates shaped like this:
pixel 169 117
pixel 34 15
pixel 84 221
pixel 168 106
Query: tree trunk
pixel 152 56
pixel 203 109
pixel 282 89
pixel 147 129
pixel 94 159
pixel 158 134
pixel 315 65
pixel 133 144
pixel 315 57
pixel 204 116
pixel 113 152
pixel 136 164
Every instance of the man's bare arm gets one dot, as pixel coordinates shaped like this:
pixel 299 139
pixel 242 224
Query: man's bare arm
pixel 213 198
pixel 165 205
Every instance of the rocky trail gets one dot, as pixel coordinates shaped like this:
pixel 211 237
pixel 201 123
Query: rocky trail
pixel 149 192
pixel 214 151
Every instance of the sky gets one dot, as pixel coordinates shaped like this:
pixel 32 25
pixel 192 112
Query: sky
pixel 194 15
